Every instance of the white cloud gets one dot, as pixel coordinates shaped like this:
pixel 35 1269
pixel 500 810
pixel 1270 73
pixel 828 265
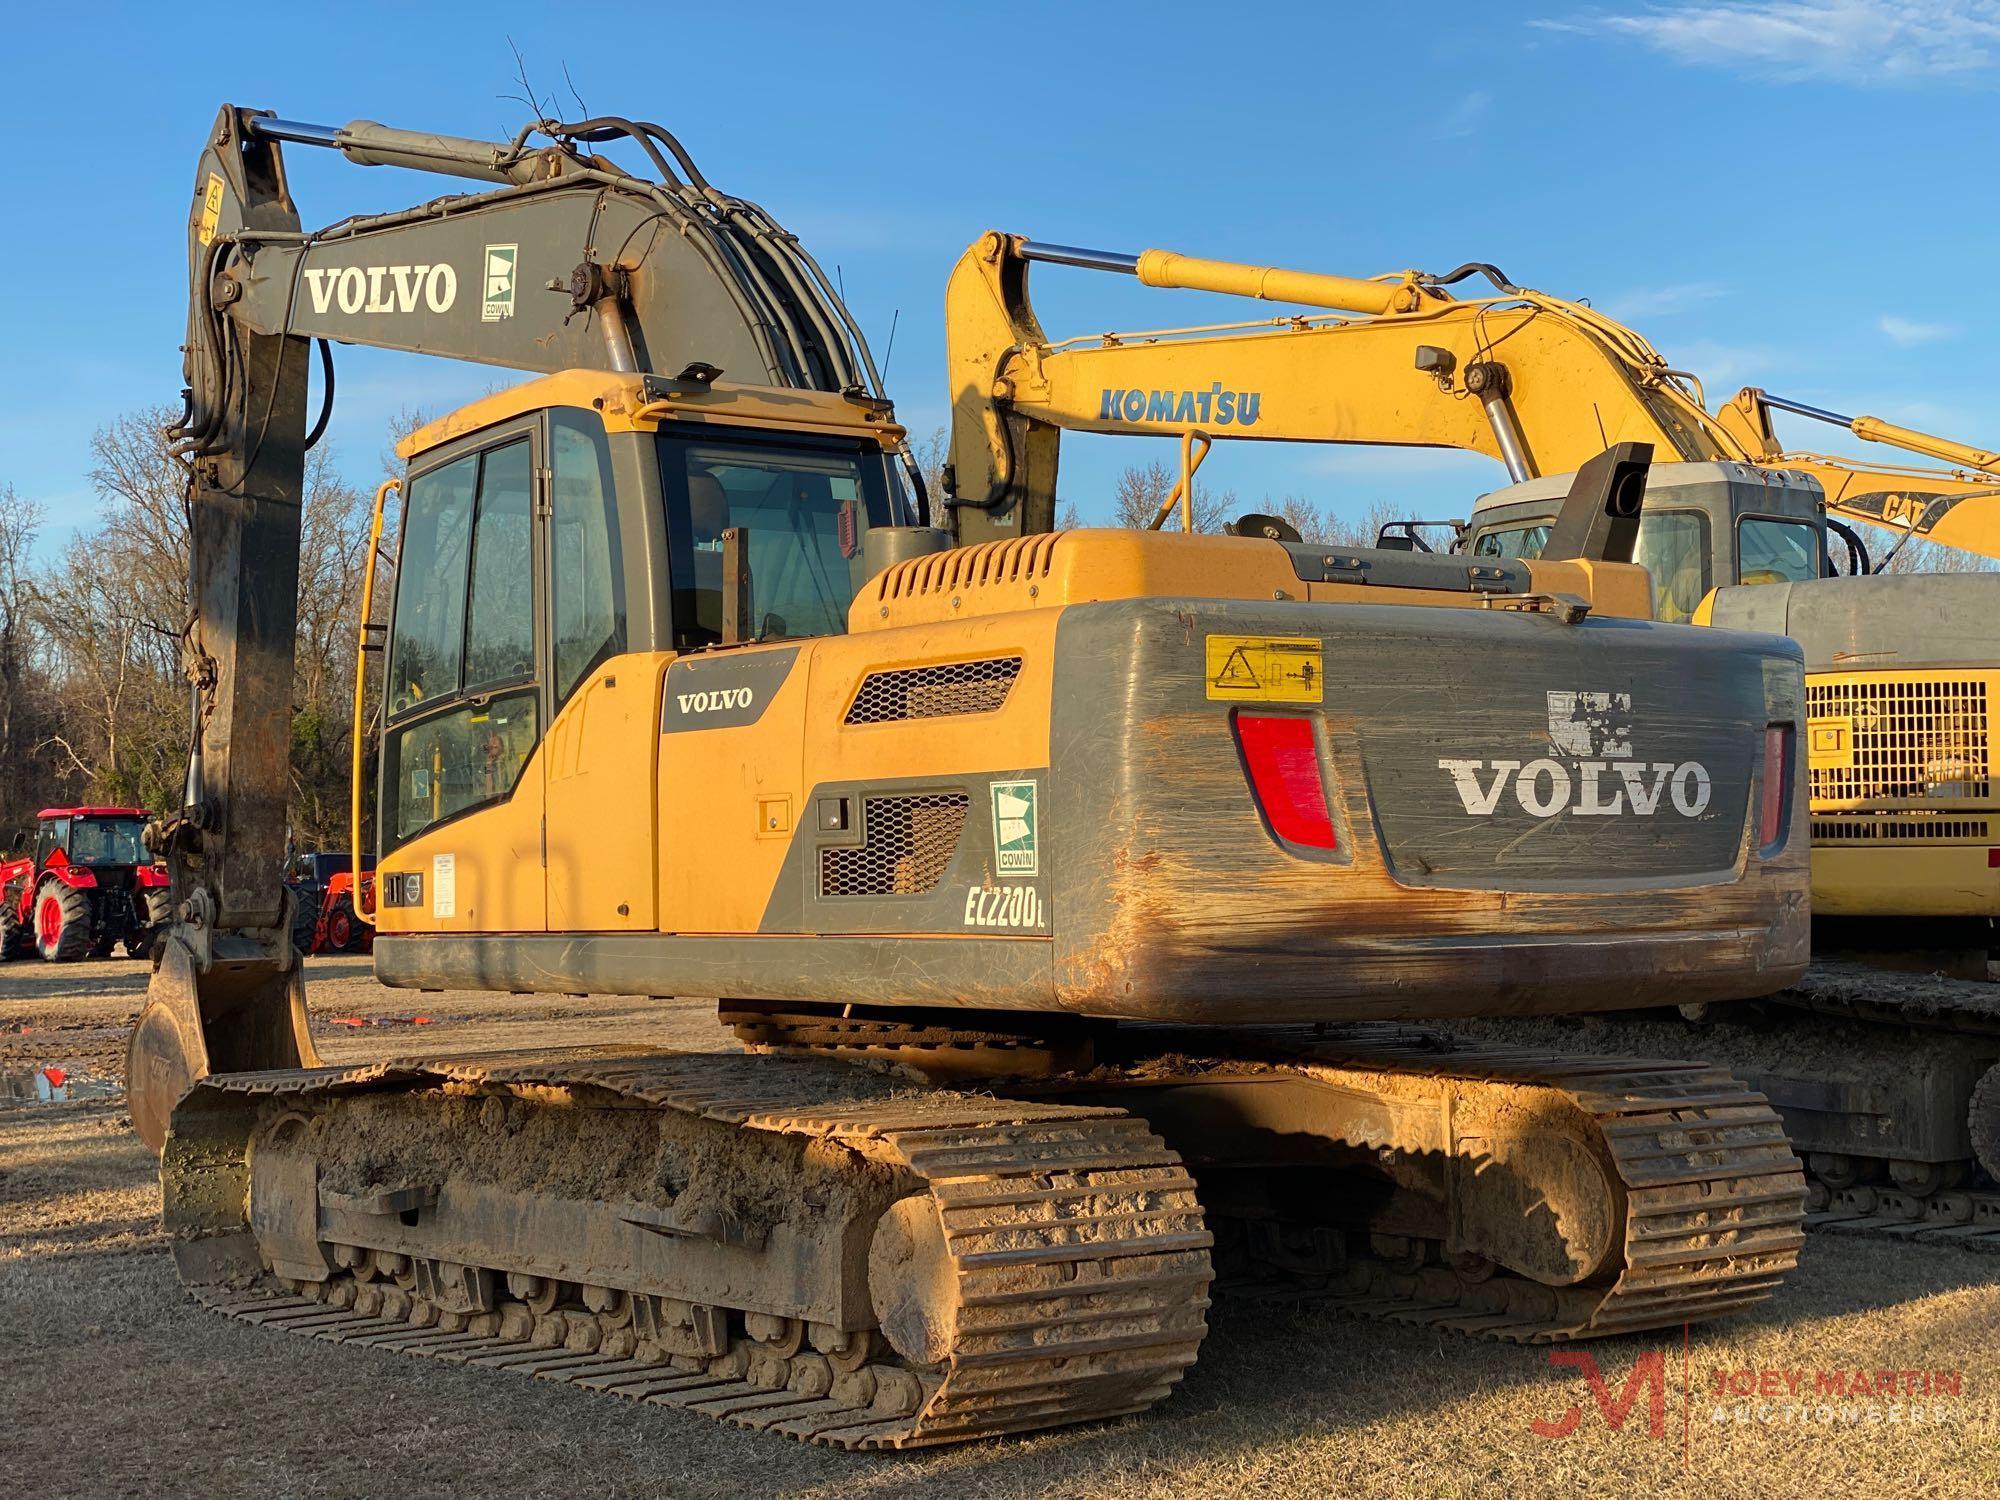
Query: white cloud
pixel 1660 301
pixel 1909 333
pixel 1847 41
pixel 1464 117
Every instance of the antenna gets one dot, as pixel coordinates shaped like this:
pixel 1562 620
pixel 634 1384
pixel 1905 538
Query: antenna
pixel 890 352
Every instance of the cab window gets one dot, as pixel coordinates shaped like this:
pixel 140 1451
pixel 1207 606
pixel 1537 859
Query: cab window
pixel 587 577
pixel 1769 550
pixel 430 585
pixel 448 762
pixel 1673 547
pixel 500 620
pixel 51 836
pixel 1512 541
pixel 804 509
pixel 463 705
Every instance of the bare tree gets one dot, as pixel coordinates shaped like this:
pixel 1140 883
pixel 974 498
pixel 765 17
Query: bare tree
pixel 1918 556
pixel 1361 530
pixel 1138 494
pixel 931 455
pixel 23 696
pixel 113 612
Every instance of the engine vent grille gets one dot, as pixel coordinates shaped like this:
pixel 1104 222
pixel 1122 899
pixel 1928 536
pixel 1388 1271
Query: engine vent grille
pixel 907 845
pixel 934 692
pixel 1022 560
pixel 1900 828
pixel 1910 739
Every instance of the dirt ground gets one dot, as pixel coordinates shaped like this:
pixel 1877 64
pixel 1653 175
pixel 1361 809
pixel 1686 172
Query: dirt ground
pixel 113 1382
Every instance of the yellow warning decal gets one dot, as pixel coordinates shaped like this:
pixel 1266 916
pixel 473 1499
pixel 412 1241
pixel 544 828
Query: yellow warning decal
pixel 1265 669
pixel 211 207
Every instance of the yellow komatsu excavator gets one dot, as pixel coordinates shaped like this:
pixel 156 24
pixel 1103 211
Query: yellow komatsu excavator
pixel 1148 838
pixel 1898 1103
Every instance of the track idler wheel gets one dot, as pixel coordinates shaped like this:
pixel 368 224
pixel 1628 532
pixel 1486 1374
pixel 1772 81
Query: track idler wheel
pixel 913 1280
pixel 1982 1117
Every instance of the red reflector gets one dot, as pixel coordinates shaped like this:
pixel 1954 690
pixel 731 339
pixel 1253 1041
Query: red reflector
pixel 1777 779
pixel 1993 859
pixel 1283 761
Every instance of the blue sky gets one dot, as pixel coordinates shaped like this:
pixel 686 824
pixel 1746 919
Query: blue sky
pixel 1786 193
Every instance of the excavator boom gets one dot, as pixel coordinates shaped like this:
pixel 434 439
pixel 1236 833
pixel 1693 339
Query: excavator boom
pixel 568 261
pixel 1539 384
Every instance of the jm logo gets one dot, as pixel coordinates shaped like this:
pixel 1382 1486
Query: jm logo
pixel 1648 1379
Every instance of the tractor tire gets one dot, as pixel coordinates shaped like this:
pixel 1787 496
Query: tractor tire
pixel 62 923
pixel 158 907
pixel 305 926
pixel 343 932
pixel 15 940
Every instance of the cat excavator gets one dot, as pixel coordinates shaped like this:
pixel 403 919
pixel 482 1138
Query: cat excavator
pixel 1069 892
pixel 1890 1081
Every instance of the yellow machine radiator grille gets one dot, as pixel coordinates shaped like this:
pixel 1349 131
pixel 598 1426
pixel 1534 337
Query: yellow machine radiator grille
pixel 1901 737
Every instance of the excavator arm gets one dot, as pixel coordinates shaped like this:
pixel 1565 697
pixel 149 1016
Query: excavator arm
pixel 1953 507
pixel 1537 383
pixel 564 259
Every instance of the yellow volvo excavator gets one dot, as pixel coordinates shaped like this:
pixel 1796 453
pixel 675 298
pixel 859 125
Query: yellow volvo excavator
pixel 1900 1099
pixel 1150 837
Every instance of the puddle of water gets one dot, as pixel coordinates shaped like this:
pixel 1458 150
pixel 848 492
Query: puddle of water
pixel 50 1083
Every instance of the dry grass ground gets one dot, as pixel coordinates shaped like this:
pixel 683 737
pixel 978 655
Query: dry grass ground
pixel 114 1383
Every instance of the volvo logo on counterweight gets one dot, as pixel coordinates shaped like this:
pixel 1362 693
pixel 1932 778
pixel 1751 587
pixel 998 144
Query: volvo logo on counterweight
pixel 1592 773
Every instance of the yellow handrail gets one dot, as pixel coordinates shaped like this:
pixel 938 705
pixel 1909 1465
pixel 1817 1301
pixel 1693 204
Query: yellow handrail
pixel 382 492
pixel 1182 494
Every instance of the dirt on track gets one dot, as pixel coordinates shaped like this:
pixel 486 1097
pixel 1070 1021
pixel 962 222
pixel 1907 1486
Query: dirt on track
pixel 114 1382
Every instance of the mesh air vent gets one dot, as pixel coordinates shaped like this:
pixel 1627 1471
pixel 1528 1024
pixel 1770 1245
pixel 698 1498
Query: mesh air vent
pixel 907 845
pixel 935 692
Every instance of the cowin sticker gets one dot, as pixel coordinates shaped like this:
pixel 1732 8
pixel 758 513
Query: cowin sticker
pixel 1003 906
pixel 1014 828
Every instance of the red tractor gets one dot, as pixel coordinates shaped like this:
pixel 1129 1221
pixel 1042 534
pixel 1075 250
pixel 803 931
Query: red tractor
pixel 89 885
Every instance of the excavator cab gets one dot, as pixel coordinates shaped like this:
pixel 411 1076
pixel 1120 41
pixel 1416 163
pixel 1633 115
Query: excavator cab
pixel 1706 525
pixel 564 525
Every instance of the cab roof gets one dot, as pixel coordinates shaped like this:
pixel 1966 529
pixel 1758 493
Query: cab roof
pixel 93 812
pixel 639 403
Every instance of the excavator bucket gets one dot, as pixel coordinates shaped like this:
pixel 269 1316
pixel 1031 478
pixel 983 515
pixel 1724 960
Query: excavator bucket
pixel 195 1024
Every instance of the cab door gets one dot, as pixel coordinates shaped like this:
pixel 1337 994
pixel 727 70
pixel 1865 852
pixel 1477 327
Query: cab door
pixel 603 741
pixel 464 708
